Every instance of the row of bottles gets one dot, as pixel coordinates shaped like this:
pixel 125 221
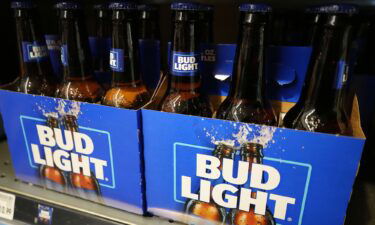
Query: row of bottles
pixel 322 107
pixel 127 89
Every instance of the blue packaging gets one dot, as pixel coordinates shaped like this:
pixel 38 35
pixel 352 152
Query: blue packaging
pixel 303 174
pixel 100 161
pixel 286 68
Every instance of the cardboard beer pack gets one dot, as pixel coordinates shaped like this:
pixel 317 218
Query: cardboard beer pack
pixel 91 151
pixel 101 161
pixel 300 174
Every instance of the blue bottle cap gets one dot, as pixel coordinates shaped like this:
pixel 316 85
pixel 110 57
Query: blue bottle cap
pixel 255 7
pixel 100 6
pixel 335 9
pixel 188 6
pixel 125 5
pixel 148 7
pixel 23 4
pixel 68 5
pixel 205 7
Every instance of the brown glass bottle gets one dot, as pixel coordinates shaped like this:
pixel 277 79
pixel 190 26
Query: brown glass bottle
pixel 206 14
pixel 320 106
pixel 252 153
pixel 210 210
pixel 148 22
pixel 35 69
pixel 86 187
pixel 101 31
pixel 246 101
pixel 54 177
pixel 184 90
pixel 127 88
pixel 78 82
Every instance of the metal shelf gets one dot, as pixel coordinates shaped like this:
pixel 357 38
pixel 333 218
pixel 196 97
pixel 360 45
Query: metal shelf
pixel 67 209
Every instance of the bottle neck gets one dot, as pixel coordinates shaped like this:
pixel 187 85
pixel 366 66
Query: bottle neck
pixel 328 69
pixel 103 24
pixel 251 159
pixel 184 68
pixel 148 25
pixel 32 49
pixel 75 52
pixel 206 18
pixel 124 56
pixel 248 79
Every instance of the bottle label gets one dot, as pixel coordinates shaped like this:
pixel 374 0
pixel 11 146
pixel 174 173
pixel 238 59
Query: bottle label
pixel 185 64
pixel 116 59
pixel 64 55
pixel 34 51
pixel 341 75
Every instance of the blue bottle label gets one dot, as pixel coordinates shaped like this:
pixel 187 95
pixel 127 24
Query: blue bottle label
pixel 64 55
pixel 341 74
pixel 116 60
pixel 185 64
pixel 34 51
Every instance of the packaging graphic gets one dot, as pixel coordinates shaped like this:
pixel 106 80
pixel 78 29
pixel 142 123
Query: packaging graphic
pixel 87 150
pixel 297 176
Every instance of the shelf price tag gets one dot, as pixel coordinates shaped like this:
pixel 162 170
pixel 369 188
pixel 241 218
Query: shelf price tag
pixel 7 202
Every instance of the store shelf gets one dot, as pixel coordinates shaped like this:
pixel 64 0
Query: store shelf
pixel 67 209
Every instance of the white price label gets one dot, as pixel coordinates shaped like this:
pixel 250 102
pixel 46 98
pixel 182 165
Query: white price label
pixel 7 202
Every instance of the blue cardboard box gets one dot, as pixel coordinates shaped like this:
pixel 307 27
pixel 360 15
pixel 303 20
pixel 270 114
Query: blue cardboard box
pixel 312 174
pixel 99 160
pixel 300 176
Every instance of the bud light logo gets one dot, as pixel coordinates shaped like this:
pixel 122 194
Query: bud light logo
pixel 116 59
pixel 64 55
pixel 185 63
pixel 34 51
pixel 87 151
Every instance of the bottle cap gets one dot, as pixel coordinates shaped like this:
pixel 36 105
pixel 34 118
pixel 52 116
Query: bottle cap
pixel 125 5
pixel 205 7
pixel 23 4
pixel 100 6
pixel 253 149
pixel 148 7
pixel 186 6
pixel 68 5
pixel 252 7
pixel 334 9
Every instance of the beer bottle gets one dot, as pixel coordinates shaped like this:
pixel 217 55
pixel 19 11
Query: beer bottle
pixel 252 153
pixel 314 19
pixel 35 68
pixel 78 83
pixel 246 101
pixel 184 92
pixel 127 89
pixel 102 38
pixel 210 210
pixel 320 106
pixel 148 22
pixel 206 15
pixel 87 187
pixel 53 177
